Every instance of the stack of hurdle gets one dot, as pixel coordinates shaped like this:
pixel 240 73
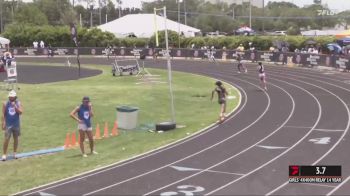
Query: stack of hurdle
pixel 71 140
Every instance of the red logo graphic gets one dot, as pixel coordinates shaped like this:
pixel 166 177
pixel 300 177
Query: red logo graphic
pixel 293 170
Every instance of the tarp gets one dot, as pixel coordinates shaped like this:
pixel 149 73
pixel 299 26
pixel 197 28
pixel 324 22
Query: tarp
pixel 142 25
pixel 343 34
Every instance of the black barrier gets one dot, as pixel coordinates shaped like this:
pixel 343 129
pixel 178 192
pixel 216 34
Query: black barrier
pixel 303 59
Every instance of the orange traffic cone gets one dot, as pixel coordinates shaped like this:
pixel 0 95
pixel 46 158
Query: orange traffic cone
pixel 66 142
pixel 74 140
pixel 98 132
pixel 115 129
pixel 105 132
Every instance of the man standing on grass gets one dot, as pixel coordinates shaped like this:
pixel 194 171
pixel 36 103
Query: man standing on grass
pixel 11 110
pixel 82 114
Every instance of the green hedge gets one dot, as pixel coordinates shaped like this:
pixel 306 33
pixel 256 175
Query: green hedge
pixel 59 36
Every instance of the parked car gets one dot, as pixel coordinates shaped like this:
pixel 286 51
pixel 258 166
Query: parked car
pixel 215 34
pixel 245 31
pixel 279 33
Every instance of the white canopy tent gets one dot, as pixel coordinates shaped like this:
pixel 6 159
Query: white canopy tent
pixel 313 33
pixel 142 25
pixel 4 42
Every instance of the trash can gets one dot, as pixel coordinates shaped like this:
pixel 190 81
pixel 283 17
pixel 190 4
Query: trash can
pixel 127 117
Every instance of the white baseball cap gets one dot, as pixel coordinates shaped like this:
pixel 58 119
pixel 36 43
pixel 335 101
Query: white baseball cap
pixel 12 93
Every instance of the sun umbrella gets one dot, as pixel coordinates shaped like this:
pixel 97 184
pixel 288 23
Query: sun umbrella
pixel 334 47
pixel 344 41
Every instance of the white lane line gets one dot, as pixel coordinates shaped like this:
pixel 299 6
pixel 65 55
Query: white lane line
pixel 338 187
pixel 330 130
pixel 308 72
pixel 271 147
pixel 185 169
pixel 150 153
pixel 324 130
pixel 192 155
pixel 283 153
pixel 298 127
pixel 344 133
pixel 221 172
pixel 241 152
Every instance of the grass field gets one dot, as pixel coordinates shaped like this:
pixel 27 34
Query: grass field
pixel 46 121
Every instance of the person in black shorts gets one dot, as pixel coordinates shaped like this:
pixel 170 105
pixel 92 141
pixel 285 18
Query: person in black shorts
pixel 222 93
pixel 262 75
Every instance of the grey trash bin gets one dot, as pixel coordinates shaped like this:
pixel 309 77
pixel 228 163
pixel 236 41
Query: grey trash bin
pixel 127 117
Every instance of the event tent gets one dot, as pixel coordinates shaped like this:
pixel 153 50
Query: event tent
pixel 313 33
pixel 143 25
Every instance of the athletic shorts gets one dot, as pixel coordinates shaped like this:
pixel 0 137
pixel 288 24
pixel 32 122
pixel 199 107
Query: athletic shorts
pixel 15 131
pixel 222 101
pixel 262 75
pixel 83 127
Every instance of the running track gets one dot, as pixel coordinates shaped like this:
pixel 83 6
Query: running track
pixel 249 154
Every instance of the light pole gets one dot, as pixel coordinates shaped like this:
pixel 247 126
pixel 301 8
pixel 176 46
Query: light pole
pixel 1 20
pixel 178 19
pixel 185 12
pixel 91 9
pixel 99 11
pixel 119 8
pixel 250 13
pixel 263 19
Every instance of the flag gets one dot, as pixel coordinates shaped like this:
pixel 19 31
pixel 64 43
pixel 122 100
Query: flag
pixel 74 35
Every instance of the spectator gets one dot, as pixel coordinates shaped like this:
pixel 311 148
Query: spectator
pixel 251 47
pixel 6 59
pixel 35 44
pixel 11 110
pixel 240 47
pixel 42 44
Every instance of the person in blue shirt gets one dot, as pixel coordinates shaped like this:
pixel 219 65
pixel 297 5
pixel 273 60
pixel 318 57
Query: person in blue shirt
pixel 11 110
pixel 82 114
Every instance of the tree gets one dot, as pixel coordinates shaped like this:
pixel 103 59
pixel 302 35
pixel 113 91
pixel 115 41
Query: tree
pixel 30 14
pixel 53 9
pixel 344 19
